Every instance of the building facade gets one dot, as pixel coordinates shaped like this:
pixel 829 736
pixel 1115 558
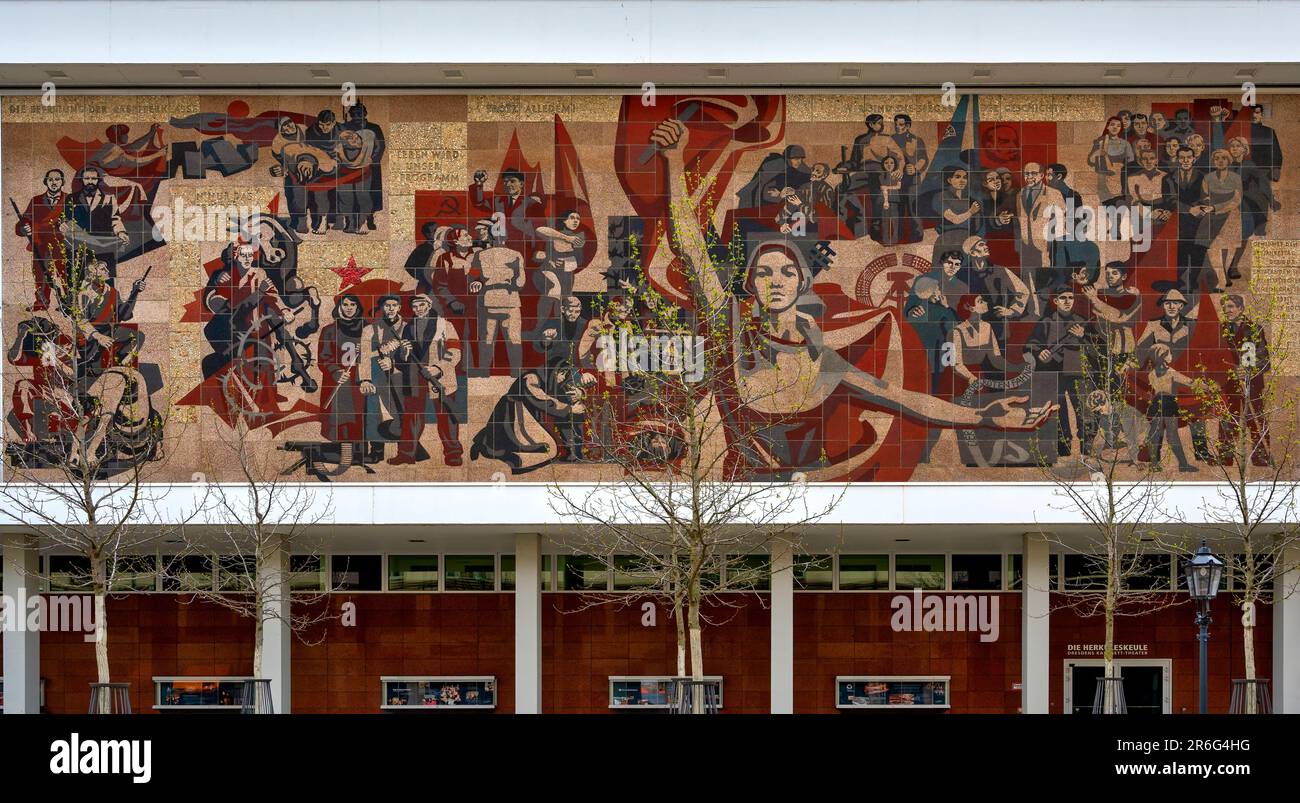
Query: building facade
pixel 409 300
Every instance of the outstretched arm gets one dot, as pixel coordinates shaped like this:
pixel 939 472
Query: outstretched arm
pixel 1002 414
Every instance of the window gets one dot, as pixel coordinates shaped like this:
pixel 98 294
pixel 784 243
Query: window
pixel 547 575
pixel 1085 573
pixel 69 573
pixel 187 573
pixel 306 573
pixel 633 572
pixel 1015 572
pixel 864 572
pixel 507 572
pixel 135 573
pixel 356 572
pixel 236 573
pixel 412 573
pixel 469 572
pixel 582 573
pixel 976 572
pixel 749 572
pixel 1148 573
pixel 814 573
pixel 919 571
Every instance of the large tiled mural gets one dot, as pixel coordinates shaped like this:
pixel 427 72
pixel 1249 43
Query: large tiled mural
pixel 426 288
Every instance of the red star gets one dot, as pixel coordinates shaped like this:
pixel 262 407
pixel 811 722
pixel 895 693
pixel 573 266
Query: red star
pixel 350 274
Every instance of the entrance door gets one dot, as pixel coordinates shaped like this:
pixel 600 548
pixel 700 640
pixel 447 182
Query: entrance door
pixel 1146 684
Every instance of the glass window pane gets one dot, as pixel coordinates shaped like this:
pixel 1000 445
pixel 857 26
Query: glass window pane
pixel 69 573
pixel 356 572
pixel 507 572
pixel 546 573
pixel 470 572
pixel 919 571
pixel 749 572
pixel 135 573
pixel 187 573
pixel 1148 573
pixel 236 573
pixel 632 572
pixel 582 573
pixel 976 572
pixel 1015 571
pixel 412 572
pixel 864 572
pixel 814 573
pixel 306 573
pixel 1085 573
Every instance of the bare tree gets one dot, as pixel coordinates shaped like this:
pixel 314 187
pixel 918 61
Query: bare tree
pixel 88 442
pixel 256 523
pixel 1119 496
pixel 1252 511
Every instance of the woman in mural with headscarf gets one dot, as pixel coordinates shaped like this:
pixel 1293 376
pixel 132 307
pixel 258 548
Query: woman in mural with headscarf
pixel 794 403
pixel 342 405
pixel 1110 153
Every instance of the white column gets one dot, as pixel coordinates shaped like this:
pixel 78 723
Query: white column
pixel 1286 636
pixel 22 646
pixel 1035 642
pixel 782 605
pixel 528 623
pixel 277 630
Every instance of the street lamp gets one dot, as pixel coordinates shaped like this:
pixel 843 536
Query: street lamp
pixel 1203 572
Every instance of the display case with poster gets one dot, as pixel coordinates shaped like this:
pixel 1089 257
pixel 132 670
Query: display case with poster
pixel 198 693
pixel 442 693
pixel 892 691
pixel 649 692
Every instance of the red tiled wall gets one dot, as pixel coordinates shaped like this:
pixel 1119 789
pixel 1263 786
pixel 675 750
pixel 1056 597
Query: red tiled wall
pixel 473 634
pixel 395 634
pixel 583 645
pixel 850 634
pixel 148 635
pixel 405 634
pixel 1170 632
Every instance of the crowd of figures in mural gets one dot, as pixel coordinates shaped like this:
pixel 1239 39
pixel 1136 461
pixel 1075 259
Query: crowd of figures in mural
pixel 1005 293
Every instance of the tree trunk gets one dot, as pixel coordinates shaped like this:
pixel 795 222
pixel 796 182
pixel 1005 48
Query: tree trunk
pixel 258 630
pixel 1109 703
pixel 1248 651
pixel 679 622
pixel 697 655
pixel 99 585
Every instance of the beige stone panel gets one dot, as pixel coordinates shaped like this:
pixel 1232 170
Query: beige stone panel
pixel 543 108
pixel 97 108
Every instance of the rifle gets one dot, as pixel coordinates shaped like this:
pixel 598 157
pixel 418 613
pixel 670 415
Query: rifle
pixel 30 237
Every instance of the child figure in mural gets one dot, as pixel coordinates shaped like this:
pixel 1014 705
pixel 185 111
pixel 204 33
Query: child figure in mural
pixel 787 373
pixel 1163 412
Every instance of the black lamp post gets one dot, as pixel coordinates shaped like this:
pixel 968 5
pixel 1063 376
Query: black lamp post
pixel 1203 572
